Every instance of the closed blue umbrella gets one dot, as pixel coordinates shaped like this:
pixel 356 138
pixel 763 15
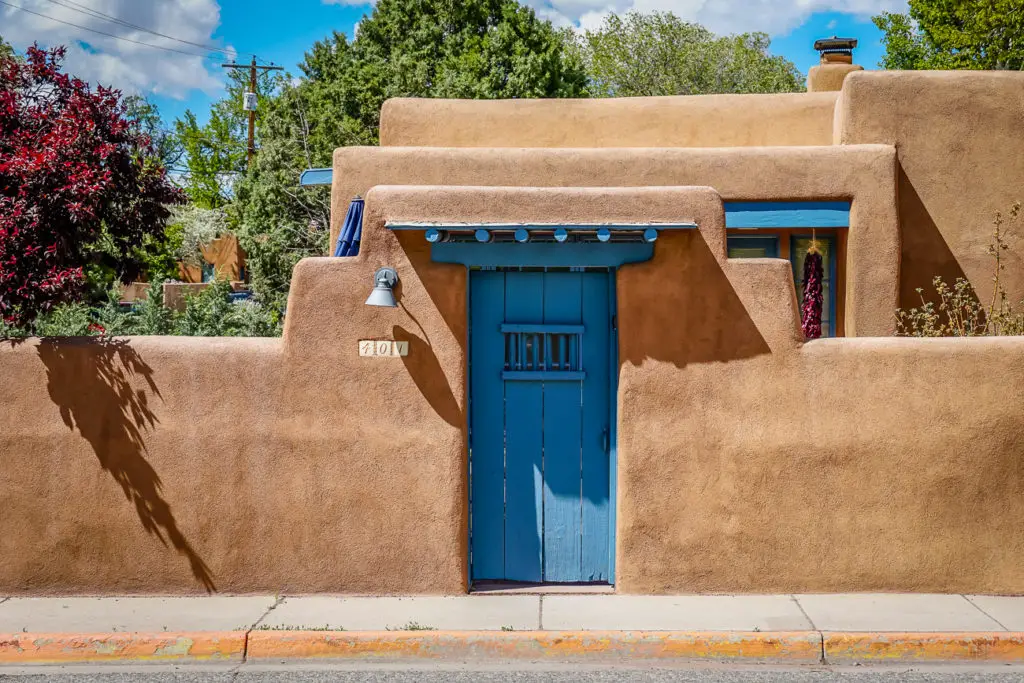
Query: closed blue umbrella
pixel 352 230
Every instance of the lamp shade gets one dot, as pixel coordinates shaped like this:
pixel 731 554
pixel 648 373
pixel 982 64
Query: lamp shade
pixel 384 281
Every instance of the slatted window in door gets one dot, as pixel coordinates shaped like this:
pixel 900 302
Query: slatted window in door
pixel 542 352
pixel 540 425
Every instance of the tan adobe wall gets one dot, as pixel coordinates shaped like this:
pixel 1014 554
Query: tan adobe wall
pixel 864 174
pixel 961 154
pixel 163 466
pixel 690 121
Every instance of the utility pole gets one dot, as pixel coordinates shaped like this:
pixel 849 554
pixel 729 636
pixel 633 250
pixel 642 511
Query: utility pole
pixel 250 98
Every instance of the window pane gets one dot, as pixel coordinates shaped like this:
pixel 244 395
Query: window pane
pixel 753 247
pixel 748 252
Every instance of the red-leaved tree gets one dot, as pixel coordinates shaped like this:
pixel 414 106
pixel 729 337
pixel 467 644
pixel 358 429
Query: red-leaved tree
pixel 74 170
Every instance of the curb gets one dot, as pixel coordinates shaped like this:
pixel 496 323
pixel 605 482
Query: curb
pixel 902 647
pixel 802 646
pixel 796 647
pixel 65 648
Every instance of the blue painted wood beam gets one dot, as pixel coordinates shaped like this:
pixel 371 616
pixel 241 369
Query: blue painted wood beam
pixel 316 176
pixel 534 255
pixel 753 215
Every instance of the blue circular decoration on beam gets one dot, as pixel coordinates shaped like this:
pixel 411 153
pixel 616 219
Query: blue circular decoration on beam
pixel 434 235
pixel 604 234
pixel 483 235
pixel 650 235
pixel 522 235
pixel 561 234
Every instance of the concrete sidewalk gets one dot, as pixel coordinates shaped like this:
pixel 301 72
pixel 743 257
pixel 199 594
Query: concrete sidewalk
pixel 810 628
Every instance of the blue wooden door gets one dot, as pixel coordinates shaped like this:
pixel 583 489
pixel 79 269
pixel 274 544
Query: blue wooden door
pixel 540 425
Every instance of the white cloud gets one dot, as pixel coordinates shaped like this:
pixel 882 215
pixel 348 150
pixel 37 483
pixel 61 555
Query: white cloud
pixel 722 16
pixel 132 68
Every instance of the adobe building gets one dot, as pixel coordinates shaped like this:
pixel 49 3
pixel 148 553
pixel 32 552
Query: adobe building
pixel 593 372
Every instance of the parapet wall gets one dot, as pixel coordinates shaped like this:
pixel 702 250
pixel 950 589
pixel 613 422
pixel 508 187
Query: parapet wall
pixel 690 121
pixel 747 460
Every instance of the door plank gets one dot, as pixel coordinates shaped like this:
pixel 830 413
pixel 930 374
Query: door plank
pixel 562 432
pixel 524 405
pixel 596 428
pixel 487 354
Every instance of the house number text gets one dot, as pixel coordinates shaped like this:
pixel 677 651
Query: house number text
pixel 372 347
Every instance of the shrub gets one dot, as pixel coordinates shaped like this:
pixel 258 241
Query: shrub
pixel 210 313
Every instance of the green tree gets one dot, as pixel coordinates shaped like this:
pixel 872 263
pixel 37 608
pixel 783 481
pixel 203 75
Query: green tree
pixel 216 153
pixel 145 116
pixel 5 49
pixel 660 54
pixel 405 48
pixel 954 34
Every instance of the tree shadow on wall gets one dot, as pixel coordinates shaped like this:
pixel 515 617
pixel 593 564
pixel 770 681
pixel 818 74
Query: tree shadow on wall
pixel 92 382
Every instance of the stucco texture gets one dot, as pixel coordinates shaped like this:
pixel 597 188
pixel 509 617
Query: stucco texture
pixel 961 159
pixel 687 121
pixel 748 461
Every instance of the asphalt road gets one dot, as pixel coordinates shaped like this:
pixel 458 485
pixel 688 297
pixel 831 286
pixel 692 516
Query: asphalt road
pixel 515 672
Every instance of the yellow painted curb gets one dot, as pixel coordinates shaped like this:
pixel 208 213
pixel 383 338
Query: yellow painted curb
pixel 801 646
pixel 64 648
pixel 989 647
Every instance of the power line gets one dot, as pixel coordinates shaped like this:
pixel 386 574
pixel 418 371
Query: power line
pixel 83 9
pixel 102 33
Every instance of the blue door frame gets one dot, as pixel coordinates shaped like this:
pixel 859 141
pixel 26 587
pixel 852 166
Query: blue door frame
pixel 537 529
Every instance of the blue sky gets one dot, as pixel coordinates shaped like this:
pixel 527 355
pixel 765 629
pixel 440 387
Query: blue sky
pixel 280 32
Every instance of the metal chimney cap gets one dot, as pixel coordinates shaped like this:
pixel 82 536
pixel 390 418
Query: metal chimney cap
pixel 835 44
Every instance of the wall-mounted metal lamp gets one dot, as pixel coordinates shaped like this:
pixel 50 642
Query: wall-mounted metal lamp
pixel 384 281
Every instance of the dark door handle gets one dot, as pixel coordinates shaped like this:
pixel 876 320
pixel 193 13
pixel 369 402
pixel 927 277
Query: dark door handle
pixel 605 440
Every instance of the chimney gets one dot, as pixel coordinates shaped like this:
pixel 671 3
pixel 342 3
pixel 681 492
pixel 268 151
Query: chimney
pixel 836 63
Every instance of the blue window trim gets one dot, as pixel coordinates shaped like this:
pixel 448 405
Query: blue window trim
pixel 832 272
pixel 770 243
pixel 751 215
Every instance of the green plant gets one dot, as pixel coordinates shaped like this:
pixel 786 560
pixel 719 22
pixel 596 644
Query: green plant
pixel 151 316
pixel 411 626
pixel 959 312
pixel 66 320
pixel 268 627
pixel 212 313
pixel 114 320
pixel 206 313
